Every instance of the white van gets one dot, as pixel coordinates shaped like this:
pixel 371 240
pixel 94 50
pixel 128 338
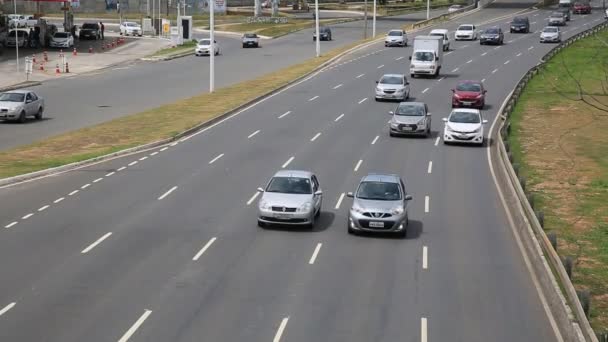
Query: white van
pixel 565 4
pixel 445 35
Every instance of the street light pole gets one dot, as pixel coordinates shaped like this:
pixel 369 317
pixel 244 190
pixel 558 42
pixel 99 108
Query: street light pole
pixel 428 9
pixel 212 46
pixel 16 37
pixel 374 22
pixel 365 19
pixel 317 41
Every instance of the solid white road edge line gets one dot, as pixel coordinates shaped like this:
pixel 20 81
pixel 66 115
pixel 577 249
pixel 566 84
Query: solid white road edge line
pixel 253 134
pixel 425 257
pixel 207 245
pixel 287 162
pixel 216 158
pixel 167 193
pixel 423 330
pixel 426 204
pixel 523 253
pixel 94 244
pixel 430 168
pixel 339 201
pixel 315 253
pixel 277 336
pixel 253 198
pixel 135 326
pixel 6 308
pixel 358 165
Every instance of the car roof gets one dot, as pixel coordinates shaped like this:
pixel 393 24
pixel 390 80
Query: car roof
pixel 293 173
pixel 468 81
pixel 381 177
pixel 18 91
pixel 417 104
pixel 466 110
pixel 439 31
pixel 465 25
pixel 392 75
pixel 395 30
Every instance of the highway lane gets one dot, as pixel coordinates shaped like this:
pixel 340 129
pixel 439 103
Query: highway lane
pixel 198 299
pixel 88 99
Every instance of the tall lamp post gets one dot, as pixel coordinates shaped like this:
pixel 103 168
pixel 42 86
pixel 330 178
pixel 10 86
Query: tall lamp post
pixel 317 41
pixel 428 9
pixel 374 22
pixel 212 46
pixel 16 37
pixel 365 19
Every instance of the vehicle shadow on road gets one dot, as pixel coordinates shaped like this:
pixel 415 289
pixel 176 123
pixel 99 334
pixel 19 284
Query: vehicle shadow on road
pixel 27 122
pixel 414 231
pixel 322 223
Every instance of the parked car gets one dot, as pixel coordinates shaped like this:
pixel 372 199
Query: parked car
pixel 557 19
pixel 492 35
pixel 20 39
pixel 18 105
pixel 90 31
pixel 251 40
pixel 520 24
pixel 324 32
pixel 19 20
pixel 466 32
pixel 565 12
pixel 469 94
pixel 582 8
pixel 550 34
pixel 392 87
pixel 445 35
pixel 130 28
pixel 410 118
pixel 290 198
pixel 454 8
pixel 396 37
pixel 203 47
pixel 380 204
pixel 62 40
pixel 464 125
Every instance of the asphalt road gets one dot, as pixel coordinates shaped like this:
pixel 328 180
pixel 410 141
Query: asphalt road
pixel 163 245
pixel 88 99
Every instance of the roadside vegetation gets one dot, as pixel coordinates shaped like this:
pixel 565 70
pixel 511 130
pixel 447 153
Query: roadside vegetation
pixel 276 30
pixel 560 140
pixel 395 8
pixel 175 51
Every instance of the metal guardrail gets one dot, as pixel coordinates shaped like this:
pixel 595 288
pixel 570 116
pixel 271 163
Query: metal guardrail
pixel 536 219
pixel 442 17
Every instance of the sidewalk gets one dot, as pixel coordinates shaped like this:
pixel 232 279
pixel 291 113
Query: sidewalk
pixel 83 62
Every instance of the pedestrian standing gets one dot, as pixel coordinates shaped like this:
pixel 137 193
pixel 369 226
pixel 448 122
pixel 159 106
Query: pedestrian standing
pixel 102 28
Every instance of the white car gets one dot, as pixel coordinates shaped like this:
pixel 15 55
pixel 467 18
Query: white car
pixel 393 87
pixel 62 40
pixel 19 104
pixel 446 37
pixel 466 32
pixel 454 8
pixel 129 28
pixel 19 20
pixel 396 37
pixel 464 125
pixel 204 46
pixel 20 40
pixel 550 34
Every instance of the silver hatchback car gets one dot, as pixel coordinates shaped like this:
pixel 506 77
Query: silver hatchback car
pixel 290 198
pixel 379 205
pixel 410 118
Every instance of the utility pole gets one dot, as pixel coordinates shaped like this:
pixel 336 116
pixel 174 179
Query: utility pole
pixel 212 46
pixel 365 19
pixel 318 40
pixel 428 9
pixel 16 37
pixel 374 22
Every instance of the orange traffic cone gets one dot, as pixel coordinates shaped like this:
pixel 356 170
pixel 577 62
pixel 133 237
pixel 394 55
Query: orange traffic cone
pixel 75 53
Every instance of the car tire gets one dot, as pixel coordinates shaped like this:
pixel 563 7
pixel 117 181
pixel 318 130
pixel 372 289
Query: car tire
pixel 261 224
pixel 22 117
pixel 244 46
pixel 428 132
pixel 39 114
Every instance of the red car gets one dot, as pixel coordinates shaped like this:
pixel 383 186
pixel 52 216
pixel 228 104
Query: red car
pixel 582 8
pixel 469 94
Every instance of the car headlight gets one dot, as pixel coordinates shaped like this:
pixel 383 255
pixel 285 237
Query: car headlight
pixel 378 89
pixel 479 96
pixel 421 122
pixel 477 130
pixel 305 207
pixel 400 90
pixel 456 95
pixel 397 211
pixel 264 205
pixel 448 129
pixel 394 125
pixel 357 209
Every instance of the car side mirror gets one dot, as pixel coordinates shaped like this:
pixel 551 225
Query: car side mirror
pixel 445 119
pixel 484 121
pixel 436 58
pixel 428 114
pixel 318 193
pixel 410 58
pixel 391 112
pixel 453 90
pixel 408 197
pixel 485 91
pixel 407 83
pixel 350 194
pixel 376 82
pixel 260 190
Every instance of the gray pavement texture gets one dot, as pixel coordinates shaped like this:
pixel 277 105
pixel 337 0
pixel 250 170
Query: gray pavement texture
pixel 137 86
pixel 253 284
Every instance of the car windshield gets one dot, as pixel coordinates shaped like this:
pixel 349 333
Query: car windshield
pixel 290 185
pixel 61 35
pixel 465 117
pixel 465 28
pixel 550 29
pixel 469 87
pixel 395 33
pixel 89 26
pixel 557 15
pixel 409 110
pixel 12 97
pixel 131 24
pixel 391 80
pixel 204 42
pixel 379 191
pixel 19 34
pixel 491 31
pixel 424 56
pixel 519 20
pixel 250 35
pixel 437 35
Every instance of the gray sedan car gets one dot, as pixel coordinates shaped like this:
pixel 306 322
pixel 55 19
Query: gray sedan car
pixel 410 118
pixel 18 105
pixel 290 198
pixel 379 205
pixel 393 87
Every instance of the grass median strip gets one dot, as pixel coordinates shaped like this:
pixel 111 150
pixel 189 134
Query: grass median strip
pixel 275 30
pixel 152 125
pixel 559 138
pixel 171 51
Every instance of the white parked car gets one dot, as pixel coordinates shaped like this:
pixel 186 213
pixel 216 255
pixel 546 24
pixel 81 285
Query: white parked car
pixel 204 46
pixel 20 39
pixel 19 104
pixel 454 8
pixel 466 32
pixel 445 35
pixel 130 28
pixel 62 40
pixel 464 125
pixel 396 37
pixel 19 20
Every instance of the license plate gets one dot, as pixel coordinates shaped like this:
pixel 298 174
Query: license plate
pixel 281 216
pixel 376 224
pixel 406 128
pixel 467 103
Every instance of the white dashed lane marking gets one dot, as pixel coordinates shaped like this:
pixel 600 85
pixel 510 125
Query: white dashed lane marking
pixel 340 199
pixel 284 114
pixel 288 162
pixel 10 224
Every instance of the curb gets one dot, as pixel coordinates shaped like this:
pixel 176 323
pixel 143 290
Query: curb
pixel 73 166
pixel 21 85
pixel 169 57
